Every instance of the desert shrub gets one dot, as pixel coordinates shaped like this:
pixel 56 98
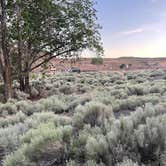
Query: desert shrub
pixel 70 78
pixel 48 86
pixel 137 90
pixel 155 89
pixel 10 137
pixel 104 97
pixel 130 76
pixel 82 88
pixel 140 80
pixel 19 95
pixel 39 118
pixel 66 89
pixel 115 93
pixel 78 101
pixel 93 163
pixel 46 117
pixel 114 78
pixel 77 126
pixel 151 139
pixel 40 85
pixel 78 145
pixel 82 81
pixel 71 163
pixel 118 82
pixel 8 108
pixel 92 113
pixel 157 73
pixel 53 104
pixel 53 91
pixel 57 104
pixel 62 120
pixel 11 120
pixel 142 132
pixel 34 92
pixel 97 148
pixel 34 142
pixel 127 163
pixel 18 159
pixel 34 76
pixel 27 107
pixel 133 102
pixel 119 93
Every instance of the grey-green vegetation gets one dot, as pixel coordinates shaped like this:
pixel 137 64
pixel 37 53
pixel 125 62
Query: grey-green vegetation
pixel 86 119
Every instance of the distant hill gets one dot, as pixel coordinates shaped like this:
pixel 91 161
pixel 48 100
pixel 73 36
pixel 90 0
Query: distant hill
pixel 109 64
pixel 157 58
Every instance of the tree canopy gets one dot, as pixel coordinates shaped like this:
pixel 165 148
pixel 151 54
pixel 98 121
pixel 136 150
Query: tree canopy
pixel 97 61
pixel 40 30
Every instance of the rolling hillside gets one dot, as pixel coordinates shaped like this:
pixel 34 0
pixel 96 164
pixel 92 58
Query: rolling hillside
pixel 109 64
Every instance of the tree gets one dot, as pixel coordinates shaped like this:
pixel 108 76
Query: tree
pixel 97 61
pixel 5 66
pixel 122 66
pixel 45 29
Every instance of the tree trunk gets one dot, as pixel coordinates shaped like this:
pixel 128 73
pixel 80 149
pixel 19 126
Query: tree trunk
pixel 27 69
pixel 7 67
pixel 21 81
pixel 27 85
pixel 8 83
pixel 20 72
pixel 20 49
pixel 24 82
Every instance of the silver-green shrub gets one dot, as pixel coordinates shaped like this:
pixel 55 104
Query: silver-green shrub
pixel 11 120
pixel 127 163
pixel 92 113
pixel 35 140
pixel 10 137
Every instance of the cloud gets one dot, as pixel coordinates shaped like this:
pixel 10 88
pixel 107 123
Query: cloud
pixel 133 31
pixel 136 31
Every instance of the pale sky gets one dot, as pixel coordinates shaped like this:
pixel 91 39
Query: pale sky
pixel 133 27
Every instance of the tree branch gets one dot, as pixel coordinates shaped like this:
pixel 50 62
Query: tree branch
pixel 48 59
pixel 45 45
pixel 42 56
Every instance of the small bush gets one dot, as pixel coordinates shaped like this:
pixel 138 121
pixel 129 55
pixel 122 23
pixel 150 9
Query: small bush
pixel 92 113
pixel 26 107
pixel 8 108
pixel 10 137
pixel 34 142
pixel 53 104
pixel 97 148
pixel 127 163
pixel 65 89
pixel 19 95
pixel 11 120
pixel 34 92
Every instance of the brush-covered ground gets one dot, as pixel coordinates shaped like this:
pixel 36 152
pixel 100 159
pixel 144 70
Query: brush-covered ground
pixel 87 119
